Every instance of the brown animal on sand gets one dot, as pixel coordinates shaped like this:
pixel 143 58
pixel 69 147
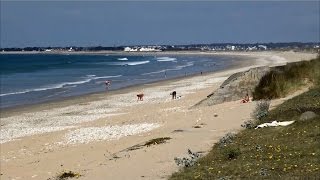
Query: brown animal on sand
pixel 140 96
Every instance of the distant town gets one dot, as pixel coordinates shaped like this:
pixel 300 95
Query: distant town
pixel 295 46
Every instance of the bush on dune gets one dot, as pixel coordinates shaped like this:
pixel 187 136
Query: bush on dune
pixel 280 81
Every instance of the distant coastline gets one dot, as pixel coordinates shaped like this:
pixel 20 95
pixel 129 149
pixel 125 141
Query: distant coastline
pixel 152 53
pixel 169 49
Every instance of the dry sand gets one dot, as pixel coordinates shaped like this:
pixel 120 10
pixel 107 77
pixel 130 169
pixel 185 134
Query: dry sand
pixel 90 134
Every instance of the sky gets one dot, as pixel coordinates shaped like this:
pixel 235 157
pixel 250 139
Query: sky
pixel 105 23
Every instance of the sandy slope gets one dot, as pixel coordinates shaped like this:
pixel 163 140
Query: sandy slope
pixel 86 134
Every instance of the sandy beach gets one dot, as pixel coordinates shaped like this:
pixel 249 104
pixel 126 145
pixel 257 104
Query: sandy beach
pixel 91 134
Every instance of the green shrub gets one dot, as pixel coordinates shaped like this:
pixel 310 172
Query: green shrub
pixel 231 152
pixel 282 80
pixel 226 139
pixel 261 110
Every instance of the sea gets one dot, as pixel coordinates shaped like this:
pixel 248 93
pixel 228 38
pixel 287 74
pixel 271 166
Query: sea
pixel 36 78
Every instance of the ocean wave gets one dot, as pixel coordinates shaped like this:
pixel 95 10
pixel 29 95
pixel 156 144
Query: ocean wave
pixel 123 59
pixel 60 85
pixel 173 69
pixel 157 72
pixel 133 63
pixel 102 77
pixel 91 75
pixel 138 63
pixel 184 66
pixel 166 59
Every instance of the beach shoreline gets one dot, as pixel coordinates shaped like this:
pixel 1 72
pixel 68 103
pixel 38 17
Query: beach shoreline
pixel 156 68
pixel 65 101
pixel 249 59
pixel 63 126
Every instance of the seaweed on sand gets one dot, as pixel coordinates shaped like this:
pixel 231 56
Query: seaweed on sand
pixel 156 141
pixel 66 175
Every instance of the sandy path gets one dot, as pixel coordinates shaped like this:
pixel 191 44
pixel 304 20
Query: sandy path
pixel 82 137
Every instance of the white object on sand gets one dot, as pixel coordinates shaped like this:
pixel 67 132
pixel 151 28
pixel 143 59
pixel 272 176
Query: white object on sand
pixel 274 124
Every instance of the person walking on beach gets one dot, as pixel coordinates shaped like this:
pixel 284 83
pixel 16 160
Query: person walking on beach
pixel 108 83
pixel 174 95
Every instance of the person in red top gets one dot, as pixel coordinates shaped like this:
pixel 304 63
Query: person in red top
pixel 246 99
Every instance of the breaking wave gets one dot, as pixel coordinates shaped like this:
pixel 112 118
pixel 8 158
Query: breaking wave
pixel 173 69
pixel 133 63
pixel 166 59
pixel 123 59
pixel 60 85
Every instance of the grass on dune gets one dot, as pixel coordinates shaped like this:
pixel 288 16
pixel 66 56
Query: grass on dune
pixel 290 152
pixel 269 153
pixel 282 80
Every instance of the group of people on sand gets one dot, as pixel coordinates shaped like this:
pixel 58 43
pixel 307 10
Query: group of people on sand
pixel 173 94
pixel 140 95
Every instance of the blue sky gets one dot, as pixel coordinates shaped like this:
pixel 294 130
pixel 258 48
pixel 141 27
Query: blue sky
pixel 82 23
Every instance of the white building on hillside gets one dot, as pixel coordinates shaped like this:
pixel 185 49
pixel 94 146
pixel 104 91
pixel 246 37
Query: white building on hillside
pixel 128 49
pixel 230 48
pixel 252 48
pixel 263 47
pixel 142 49
pixel 149 49
pixel 70 49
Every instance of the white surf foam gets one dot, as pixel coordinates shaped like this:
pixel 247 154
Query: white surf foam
pixel 123 59
pixel 184 66
pixel 138 63
pixel 91 75
pixel 174 69
pixel 157 72
pixel 102 77
pixel 133 63
pixel 60 85
pixel 166 59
